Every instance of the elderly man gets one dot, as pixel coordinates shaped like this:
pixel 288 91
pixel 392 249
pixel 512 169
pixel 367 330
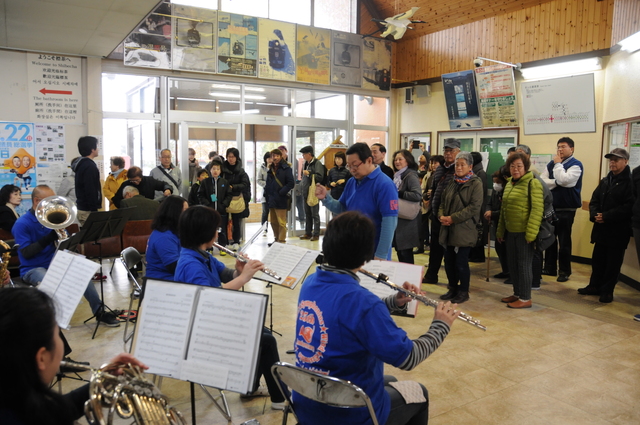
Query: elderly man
pixel 563 175
pixel 147 186
pixel 442 176
pixel 168 173
pixel 369 192
pixel 378 152
pixel 37 248
pixel 313 169
pixel 145 209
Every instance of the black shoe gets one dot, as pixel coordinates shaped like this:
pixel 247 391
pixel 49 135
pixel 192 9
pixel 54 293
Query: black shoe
pixel 451 293
pixel 460 297
pixel 562 278
pixel 108 319
pixel 549 272
pixel 606 298
pixel 535 286
pixel 476 260
pixel 589 290
pixel 430 280
pixel 508 281
pixel 501 275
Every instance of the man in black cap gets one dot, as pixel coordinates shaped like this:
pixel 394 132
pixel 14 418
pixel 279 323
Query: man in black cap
pixel 312 169
pixel 441 179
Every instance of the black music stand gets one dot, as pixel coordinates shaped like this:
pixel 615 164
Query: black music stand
pixel 101 225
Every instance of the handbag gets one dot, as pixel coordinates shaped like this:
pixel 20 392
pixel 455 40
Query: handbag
pixel 237 205
pixel 408 210
pixel 312 199
pixel 546 234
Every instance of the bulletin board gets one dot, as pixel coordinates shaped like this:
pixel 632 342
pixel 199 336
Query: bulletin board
pixel 623 134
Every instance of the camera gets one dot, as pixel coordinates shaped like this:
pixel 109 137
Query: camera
pixel 478 62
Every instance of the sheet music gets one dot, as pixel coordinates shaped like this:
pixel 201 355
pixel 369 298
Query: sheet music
pixel 66 281
pixel 226 333
pixel 162 329
pixel 290 262
pixel 398 273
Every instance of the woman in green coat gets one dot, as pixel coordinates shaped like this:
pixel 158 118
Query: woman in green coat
pixel 520 215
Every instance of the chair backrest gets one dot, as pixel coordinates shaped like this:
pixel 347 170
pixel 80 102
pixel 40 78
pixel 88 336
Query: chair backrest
pixel 321 388
pixel 136 234
pixel 130 257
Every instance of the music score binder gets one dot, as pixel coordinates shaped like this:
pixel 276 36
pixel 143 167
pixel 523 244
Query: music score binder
pixel 290 262
pixel 209 336
pixel 398 273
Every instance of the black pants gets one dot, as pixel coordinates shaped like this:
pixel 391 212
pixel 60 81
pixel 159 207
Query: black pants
pixel 268 356
pixel 606 262
pixel 436 251
pixel 405 255
pixel 501 250
pixel 558 255
pixel 402 413
pixel 456 264
pixel 237 227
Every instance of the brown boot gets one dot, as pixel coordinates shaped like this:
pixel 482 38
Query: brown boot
pixel 510 299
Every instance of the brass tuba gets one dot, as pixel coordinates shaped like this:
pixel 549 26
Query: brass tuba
pixel 57 213
pixel 4 260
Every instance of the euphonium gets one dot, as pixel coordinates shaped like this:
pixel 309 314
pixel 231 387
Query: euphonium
pixel 130 394
pixel 57 213
pixel 4 260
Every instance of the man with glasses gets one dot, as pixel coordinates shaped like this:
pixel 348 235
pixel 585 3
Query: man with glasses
pixel 168 173
pixel 369 192
pixel 563 175
pixel 147 186
pixel 441 179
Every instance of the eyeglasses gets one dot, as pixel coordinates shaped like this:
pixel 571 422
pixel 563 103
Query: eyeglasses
pixel 354 166
pixel 516 167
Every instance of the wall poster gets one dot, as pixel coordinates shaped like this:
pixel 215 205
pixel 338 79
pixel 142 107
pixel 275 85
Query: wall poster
pixel 277 50
pixel 376 64
pixel 237 44
pixel 497 94
pixel 313 55
pixel 18 161
pixel 462 103
pixel 346 59
pixel 149 45
pixel 194 47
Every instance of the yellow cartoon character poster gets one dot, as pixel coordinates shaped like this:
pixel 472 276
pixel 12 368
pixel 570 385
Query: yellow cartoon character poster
pixel 18 162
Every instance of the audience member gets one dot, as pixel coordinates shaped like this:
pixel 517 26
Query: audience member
pixel 195 188
pixel 116 177
pixel 427 182
pixel 261 180
pixel 168 173
pixel 459 215
pixel 313 170
pixel 145 208
pixel 10 199
pixel 240 184
pixel 378 152
pixel 610 210
pixel 147 186
pixel 492 214
pixel 194 167
pixel 216 193
pixel 88 187
pixel 635 221
pixel 405 178
pixel 477 252
pixel 338 175
pixel 163 247
pixel 212 155
pixel 563 176
pixel 67 186
pixel 277 190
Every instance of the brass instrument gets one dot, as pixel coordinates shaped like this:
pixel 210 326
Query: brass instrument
pixel 244 259
pixel 57 213
pixel 384 279
pixel 4 260
pixel 130 394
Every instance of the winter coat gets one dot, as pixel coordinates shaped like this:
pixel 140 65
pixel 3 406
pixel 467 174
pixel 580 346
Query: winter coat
pixel 317 169
pixel 522 207
pixel 219 187
pixel 614 199
pixel 88 186
pixel 407 234
pixel 278 196
pixel 111 186
pixel 336 174
pixel 261 179
pixel 240 184
pixel 462 202
pixel 635 177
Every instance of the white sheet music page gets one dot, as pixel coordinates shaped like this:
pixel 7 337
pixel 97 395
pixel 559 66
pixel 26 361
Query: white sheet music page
pixel 290 262
pixel 66 281
pixel 225 339
pixel 398 273
pixel 163 326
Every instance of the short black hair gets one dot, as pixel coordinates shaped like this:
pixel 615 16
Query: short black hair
pixel 349 240
pixel 382 147
pixel 340 154
pixel 362 149
pixel 202 171
pixel 213 154
pixel 134 172
pixel 86 144
pixel 235 152
pixel 6 192
pixel 168 214
pixel 408 156
pixel 198 225
pixel 477 158
pixel 216 162
pixel 118 161
pixel 438 158
pixel 511 149
pixel 567 140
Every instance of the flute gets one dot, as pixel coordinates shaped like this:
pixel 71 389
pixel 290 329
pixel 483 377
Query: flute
pixel 384 279
pixel 244 259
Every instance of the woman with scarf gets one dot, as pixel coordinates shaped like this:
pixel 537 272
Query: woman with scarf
pixel 459 214
pixel 114 180
pixel 240 184
pixel 406 179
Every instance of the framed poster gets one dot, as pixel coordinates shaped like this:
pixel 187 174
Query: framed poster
pixel 461 100
pixel 376 64
pixel 237 44
pixel 313 51
pixel 277 50
pixel 149 45
pixel 497 94
pixel 346 59
pixel 194 46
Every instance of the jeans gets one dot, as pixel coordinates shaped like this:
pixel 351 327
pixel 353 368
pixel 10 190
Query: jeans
pixel 34 277
pixel 312 214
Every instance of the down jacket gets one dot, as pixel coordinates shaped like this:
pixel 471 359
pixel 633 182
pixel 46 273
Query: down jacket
pixel 522 211
pixel 464 211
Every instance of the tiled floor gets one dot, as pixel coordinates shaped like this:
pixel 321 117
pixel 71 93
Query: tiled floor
pixel 568 360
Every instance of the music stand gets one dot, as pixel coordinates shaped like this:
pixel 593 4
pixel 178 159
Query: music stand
pixel 101 225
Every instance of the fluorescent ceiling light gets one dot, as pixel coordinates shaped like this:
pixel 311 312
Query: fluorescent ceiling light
pixel 631 43
pixel 232 87
pixel 249 88
pixel 236 95
pixel 246 111
pixel 565 68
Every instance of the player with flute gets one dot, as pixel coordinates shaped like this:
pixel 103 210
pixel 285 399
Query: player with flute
pixel 347 332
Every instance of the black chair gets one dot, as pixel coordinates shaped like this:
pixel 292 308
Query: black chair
pixel 321 388
pixel 129 258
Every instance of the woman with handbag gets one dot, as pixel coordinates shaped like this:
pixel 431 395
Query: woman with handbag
pixel 520 218
pixel 407 235
pixel 240 186
pixel 459 214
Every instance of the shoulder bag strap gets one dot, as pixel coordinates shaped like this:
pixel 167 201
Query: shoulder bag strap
pixel 170 178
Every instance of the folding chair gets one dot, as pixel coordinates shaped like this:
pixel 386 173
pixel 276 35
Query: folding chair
pixel 331 391
pixel 129 258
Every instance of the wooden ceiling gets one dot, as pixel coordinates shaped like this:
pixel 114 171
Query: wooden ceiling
pixel 444 14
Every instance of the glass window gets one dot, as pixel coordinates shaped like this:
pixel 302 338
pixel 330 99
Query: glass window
pixel 204 4
pixel 369 110
pixel 370 137
pixel 267 101
pixel 310 104
pixel 259 8
pixel 137 141
pixel 204 96
pixel 298 12
pixel 333 14
pixel 129 93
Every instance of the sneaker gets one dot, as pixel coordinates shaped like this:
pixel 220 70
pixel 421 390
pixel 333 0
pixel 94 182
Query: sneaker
pixel 260 392
pixel 223 254
pixel 265 233
pixel 98 277
pixel 278 406
pixel 108 319
pixel 636 317
pixel 314 238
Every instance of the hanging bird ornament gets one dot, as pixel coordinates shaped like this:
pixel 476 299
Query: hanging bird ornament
pixel 397 25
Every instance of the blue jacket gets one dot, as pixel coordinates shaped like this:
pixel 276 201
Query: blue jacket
pixel 27 232
pixel 163 252
pixel 277 196
pixel 194 268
